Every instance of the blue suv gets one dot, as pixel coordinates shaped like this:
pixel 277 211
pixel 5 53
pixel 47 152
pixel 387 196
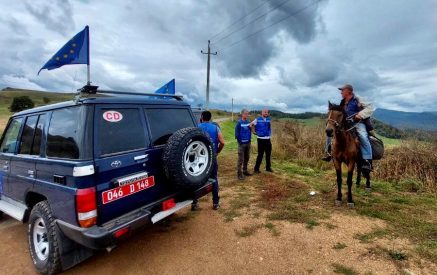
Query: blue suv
pixel 87 173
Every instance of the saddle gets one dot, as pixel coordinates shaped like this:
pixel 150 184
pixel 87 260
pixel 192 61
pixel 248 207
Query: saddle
pixel 376 143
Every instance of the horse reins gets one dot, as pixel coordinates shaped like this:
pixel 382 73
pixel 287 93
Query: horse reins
pixel 339 125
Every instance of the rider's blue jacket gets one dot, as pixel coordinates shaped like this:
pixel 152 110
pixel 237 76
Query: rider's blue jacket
pixel 243 133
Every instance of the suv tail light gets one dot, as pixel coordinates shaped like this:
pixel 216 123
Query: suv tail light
pixel 86 207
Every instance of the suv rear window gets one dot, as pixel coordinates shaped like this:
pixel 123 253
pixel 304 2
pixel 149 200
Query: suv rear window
pixel 67 134
pixel 164 122
pixel 11 137
pixel 120 130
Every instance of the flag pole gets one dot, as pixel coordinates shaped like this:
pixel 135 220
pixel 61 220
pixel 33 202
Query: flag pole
pixel 88 64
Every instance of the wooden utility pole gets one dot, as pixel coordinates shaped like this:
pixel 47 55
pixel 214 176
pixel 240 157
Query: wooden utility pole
pixel 209 53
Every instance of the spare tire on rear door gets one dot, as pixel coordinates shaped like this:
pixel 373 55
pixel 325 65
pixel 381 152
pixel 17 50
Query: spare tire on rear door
pixel 189 157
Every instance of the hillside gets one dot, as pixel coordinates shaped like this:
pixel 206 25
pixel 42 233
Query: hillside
pixel 408 120
pixel 39 97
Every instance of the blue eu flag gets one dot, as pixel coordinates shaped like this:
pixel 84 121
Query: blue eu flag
pixel 76 51
pixel 168 88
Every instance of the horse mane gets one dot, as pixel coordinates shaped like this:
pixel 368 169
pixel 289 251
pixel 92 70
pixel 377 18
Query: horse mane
pixel 335 107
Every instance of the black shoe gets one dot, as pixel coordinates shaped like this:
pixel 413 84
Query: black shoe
pixel 194 206
pixel 269 170
pixel 247 174
pixel 256 172
pixel 215 206
pixel 367 165
pixel 240 176
pixel 327 157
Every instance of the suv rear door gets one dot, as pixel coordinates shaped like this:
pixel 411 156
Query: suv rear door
pixel 121 157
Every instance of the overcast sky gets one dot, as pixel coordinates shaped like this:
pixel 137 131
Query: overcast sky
pixel 386 49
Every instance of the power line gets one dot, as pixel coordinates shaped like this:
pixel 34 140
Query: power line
pixel 268 26
pixel 239 20
pixel 250 22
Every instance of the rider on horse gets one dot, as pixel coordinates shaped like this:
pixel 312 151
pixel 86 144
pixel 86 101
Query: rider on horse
pixel 359 111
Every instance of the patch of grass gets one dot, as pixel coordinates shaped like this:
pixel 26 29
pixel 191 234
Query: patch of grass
pixel 270 226
pixel 247 231
pixel 231 214
pixel 397 255
pixel 311 224
pixel 330 226
pixel 339 246
pixel 369 237
pixel 341 269
pixel 428 249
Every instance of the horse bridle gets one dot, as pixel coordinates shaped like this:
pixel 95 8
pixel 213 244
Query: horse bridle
pixel 338 125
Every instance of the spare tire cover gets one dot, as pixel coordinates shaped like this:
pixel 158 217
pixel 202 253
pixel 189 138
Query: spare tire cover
pixel 189 158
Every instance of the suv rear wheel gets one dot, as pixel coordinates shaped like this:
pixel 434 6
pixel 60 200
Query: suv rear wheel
pixel 189 157
pixel 44 237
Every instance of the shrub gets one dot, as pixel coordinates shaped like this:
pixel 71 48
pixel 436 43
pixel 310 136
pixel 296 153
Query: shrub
pixel 20 103
pixel 412 166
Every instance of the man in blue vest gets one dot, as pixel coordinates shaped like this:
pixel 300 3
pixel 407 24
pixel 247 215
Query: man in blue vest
pixel 243 135
pixel 262 128
pixel 213 131
pixel 360 111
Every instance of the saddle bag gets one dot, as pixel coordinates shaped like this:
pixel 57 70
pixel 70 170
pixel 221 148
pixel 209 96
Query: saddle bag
pixel 377 147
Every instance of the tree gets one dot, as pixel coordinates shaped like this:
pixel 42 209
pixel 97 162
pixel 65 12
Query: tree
pixel 20 103
pixel 46 100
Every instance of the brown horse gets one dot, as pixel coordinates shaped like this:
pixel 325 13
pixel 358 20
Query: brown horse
pixel 345 149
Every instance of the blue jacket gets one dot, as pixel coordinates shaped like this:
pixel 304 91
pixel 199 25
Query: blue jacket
pixel 263 127
pixel 352 107
pixel 212 130
pixel 242 131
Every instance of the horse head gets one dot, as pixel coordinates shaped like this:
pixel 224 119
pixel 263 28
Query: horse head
pixel 335 119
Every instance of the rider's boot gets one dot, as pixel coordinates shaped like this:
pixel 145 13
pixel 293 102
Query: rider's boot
pixel 367 165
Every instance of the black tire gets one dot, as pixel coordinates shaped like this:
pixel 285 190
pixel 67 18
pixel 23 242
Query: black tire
pixel 52 264
pixel 174 154
pixel 1 215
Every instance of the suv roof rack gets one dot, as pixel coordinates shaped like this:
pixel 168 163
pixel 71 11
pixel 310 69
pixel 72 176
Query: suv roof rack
pixel 92 90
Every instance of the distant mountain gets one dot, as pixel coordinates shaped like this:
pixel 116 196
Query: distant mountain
pixel 408 120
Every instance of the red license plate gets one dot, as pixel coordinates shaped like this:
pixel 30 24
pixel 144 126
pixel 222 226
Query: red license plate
pixel 127 190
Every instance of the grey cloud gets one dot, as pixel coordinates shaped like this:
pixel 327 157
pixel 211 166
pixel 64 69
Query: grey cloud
pixel 56 15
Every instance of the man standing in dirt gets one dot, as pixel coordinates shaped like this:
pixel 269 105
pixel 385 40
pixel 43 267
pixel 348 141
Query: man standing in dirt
pixel 262 128
pixel 219 142
pixel 243 135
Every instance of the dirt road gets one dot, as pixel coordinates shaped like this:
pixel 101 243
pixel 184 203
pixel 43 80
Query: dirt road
pixel 204 243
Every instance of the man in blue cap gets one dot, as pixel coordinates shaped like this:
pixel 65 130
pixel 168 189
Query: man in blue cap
pixel 213 131
pixel 263 130
pixel 243 135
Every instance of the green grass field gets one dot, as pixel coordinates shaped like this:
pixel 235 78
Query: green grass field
pixel 410 215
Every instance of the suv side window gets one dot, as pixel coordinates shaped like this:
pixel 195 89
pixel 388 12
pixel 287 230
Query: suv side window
pixel 36 147
pixel 65 133
pixel 164 122
pixel 27 135
pixel 11 137
pixel 120 130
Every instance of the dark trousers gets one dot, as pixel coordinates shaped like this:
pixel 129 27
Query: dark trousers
pixel 215 186
pixel 243 156
pixel 264 145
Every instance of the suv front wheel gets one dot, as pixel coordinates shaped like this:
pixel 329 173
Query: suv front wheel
pixel 44 237
pixel 189 157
